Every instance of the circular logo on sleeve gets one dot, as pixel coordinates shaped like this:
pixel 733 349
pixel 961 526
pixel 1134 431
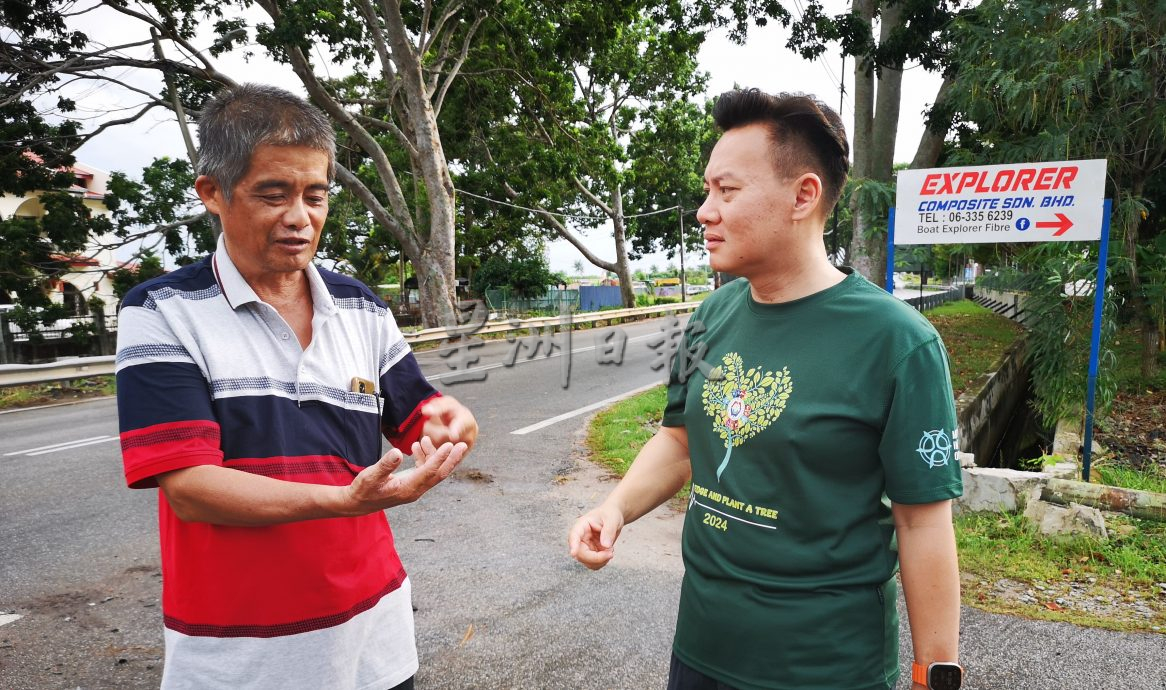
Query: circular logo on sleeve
pixel 935 448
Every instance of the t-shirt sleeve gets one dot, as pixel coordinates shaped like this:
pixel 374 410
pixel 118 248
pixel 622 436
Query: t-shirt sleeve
pixel 919 440
pixel 678 384
pixel 405 389
pixel 165 414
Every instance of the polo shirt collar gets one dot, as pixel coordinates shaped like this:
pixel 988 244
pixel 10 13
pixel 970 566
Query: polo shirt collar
pixel 238 292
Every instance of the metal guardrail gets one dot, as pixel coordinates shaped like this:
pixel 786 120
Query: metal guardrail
pixel 935 299
pixel 80 367
pixel 75 368
pixel 437 334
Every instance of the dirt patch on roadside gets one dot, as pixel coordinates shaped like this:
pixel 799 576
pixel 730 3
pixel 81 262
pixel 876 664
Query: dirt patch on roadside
pixel 1075 599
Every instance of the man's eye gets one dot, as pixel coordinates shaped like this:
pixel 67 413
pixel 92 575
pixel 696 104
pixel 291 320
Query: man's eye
pixel 317 200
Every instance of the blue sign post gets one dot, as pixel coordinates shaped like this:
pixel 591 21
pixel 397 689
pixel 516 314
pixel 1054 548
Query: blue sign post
pixel 1095 341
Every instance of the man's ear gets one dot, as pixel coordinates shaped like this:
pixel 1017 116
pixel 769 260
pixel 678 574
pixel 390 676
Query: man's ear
pixel 807 196
pixel 211 193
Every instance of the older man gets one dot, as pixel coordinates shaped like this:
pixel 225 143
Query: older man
pixel 821 430
pixel 253 388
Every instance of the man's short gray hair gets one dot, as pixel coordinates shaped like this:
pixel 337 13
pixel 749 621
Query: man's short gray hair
pixel 239 119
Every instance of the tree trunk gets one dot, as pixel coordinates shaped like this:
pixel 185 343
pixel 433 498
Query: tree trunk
pixel 864 89
pixel 622 269
pixel 882 144
pixel 435 289
pixel 931 143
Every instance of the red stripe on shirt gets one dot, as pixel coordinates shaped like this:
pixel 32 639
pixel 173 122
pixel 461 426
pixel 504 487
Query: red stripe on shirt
pixel 219 578
pixel 309 469
pixel 291 628
pixel 152 450
pixel 409 432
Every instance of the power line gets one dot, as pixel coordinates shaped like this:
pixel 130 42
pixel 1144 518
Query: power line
pixel 566 216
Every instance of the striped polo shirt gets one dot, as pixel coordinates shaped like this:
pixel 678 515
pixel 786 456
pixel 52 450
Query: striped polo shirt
pixel 209 374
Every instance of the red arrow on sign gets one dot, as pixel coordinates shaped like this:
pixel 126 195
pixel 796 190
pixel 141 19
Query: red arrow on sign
pixel 1062 224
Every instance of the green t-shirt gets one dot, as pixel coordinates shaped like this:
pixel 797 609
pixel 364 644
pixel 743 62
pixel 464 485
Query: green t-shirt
pixel 803 419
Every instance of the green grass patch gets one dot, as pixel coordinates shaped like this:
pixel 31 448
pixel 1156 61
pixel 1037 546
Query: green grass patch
pixel 12 397
pixel 618 433
pixel 1001 556
pixel 1153 478
pixel 975 338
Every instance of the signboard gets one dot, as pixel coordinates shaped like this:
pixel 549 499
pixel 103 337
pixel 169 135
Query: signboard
pixel 1024 202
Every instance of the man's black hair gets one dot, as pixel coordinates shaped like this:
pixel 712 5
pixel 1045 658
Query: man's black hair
pixel 807 135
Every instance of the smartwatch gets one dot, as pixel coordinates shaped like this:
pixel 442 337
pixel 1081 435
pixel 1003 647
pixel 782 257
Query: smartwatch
pixel 938 675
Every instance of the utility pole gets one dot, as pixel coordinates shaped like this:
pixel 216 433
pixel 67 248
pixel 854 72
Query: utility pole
pixel 683 280
pixel 834 216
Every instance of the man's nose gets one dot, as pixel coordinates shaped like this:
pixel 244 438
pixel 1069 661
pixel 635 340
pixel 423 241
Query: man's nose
pixel 707 212
pixel 296 215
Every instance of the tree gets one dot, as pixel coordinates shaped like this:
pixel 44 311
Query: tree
pixel 126 277
pixel 908 30
pixel 526 275
pixel 407 61
pixel 561 132
pixel 1057 79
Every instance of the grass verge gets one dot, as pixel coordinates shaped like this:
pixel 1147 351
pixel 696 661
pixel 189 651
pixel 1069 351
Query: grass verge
pixel 975 338
pixel 1119 584
pixel 619 432
pixel 12 397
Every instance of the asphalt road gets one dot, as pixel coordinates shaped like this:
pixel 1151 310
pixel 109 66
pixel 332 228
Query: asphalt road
pixel 499 604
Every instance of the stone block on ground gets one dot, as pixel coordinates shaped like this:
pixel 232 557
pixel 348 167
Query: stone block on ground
pixel 996 489
pixel 1055 520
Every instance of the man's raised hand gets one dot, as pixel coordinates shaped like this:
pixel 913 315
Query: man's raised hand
pixel 377 487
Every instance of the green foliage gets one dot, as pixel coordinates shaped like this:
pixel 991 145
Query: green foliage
pixel 1059 314
pixel 124 279
pixel 1152 478
pixel 996 546
pixel 1061 79
pixel 592 118
pixel 1038 464
pixel 526 276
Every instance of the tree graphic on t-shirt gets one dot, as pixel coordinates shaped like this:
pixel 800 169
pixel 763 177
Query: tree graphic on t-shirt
pixel 743 403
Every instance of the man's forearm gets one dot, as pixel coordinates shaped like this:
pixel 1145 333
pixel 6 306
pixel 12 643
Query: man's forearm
pixel 658 472
pixel 225 496
pixel 930 572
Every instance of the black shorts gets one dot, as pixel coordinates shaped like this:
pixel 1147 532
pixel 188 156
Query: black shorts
pixel 681 676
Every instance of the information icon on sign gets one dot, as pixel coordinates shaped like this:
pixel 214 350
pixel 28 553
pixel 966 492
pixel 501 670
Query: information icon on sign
pixel 1022 224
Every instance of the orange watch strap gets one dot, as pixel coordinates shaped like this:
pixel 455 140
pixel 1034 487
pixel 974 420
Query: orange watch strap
pixel 919 673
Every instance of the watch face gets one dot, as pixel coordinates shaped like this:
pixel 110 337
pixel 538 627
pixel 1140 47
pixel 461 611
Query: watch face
pixel 944 676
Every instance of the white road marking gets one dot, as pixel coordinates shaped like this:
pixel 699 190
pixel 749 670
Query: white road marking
pixel 583 410
pixel 6 618
pixel 30 451
pixel 76 445
pixel 733 517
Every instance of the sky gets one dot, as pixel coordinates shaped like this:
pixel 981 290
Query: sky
pixel 763 62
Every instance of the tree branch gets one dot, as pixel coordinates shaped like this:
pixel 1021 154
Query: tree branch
pixel 457 66
pixel 408 239
pixel 347 121
pixel 592 198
